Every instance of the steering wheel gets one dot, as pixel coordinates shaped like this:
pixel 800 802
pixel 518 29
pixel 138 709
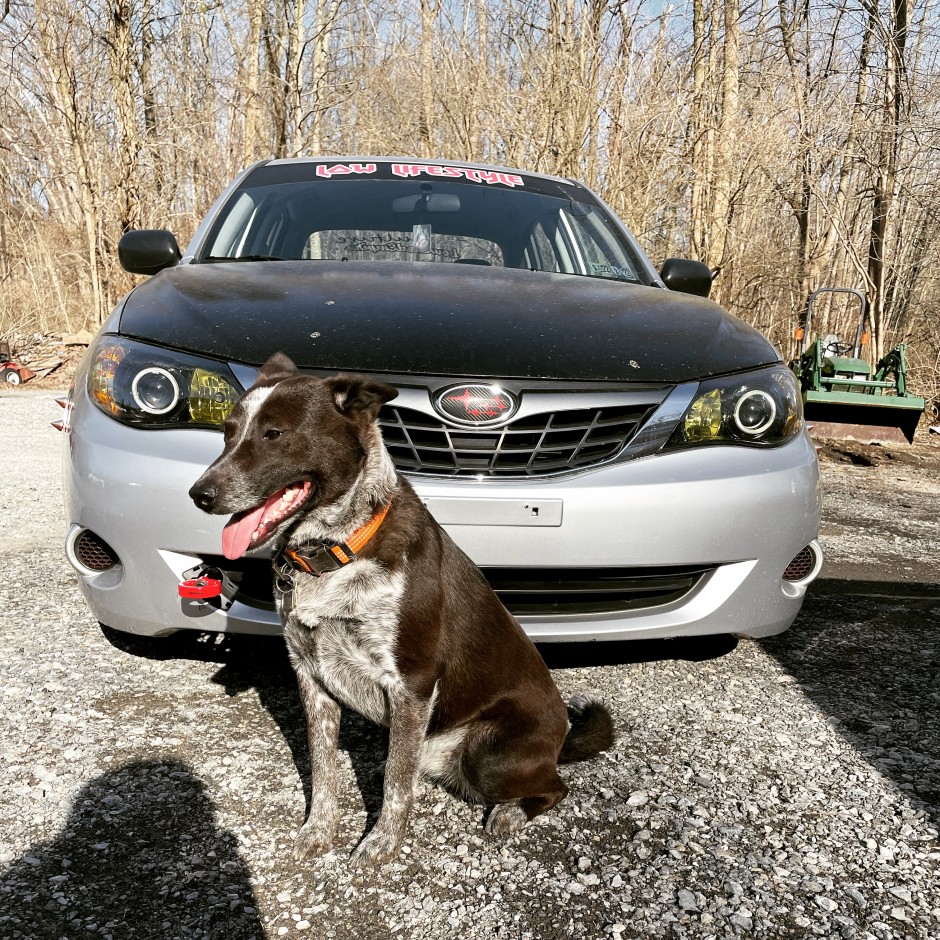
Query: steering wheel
pixel 840 349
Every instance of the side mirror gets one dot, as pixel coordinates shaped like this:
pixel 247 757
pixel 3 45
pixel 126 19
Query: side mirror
pixel 147 251
pixel 690 277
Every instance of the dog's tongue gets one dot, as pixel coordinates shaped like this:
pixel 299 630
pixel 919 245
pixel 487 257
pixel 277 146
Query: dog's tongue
pixel 238 533
pixel 236 536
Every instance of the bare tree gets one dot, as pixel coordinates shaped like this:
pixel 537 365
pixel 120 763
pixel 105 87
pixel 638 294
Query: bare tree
pixel 894 30
pixel 790 144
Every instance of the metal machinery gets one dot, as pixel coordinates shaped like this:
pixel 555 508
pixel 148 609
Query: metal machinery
pixel 843 398
pixel 11 372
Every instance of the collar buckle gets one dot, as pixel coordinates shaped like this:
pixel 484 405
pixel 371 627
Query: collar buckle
pixel 318 557
pixel 315 559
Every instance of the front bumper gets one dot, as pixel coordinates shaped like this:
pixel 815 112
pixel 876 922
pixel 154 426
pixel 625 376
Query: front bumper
pixel 742 512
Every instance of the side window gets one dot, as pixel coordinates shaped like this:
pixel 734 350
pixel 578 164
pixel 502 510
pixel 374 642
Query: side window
pixel 251 228
pixel 601 255
pixel 593 253
pixel 229 240
pixel 540 252
pixel 271 236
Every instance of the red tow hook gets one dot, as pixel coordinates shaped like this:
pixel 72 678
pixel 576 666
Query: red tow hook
pixel 201 588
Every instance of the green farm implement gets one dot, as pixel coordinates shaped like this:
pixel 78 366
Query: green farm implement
pixel 843 397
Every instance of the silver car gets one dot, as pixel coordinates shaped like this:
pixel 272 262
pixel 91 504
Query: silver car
pixel 621 457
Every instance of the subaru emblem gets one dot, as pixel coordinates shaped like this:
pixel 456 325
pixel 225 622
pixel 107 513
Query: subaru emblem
pixel 476 405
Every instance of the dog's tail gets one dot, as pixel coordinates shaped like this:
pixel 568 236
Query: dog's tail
pixel 591 731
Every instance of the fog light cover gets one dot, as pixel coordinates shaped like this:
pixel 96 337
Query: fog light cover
pixel 94 553
pixel 805 565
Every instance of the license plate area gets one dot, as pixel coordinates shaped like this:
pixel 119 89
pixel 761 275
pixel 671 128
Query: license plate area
pixel 457 510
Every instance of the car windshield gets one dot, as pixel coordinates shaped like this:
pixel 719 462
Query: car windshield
pixel 418 213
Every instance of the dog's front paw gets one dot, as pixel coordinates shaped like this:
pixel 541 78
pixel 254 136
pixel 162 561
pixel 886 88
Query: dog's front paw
pixel 315 838
pixel 376 849
pixel 505 819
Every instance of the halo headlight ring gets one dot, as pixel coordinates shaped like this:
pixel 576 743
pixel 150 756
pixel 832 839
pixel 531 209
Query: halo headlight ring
pixel 151 408
pixel 755 395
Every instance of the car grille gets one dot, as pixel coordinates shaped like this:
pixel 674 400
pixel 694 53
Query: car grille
pixel 534 591
pixel 534 445
pixel 528 591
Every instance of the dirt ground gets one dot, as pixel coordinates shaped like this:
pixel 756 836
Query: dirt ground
pixel 880 512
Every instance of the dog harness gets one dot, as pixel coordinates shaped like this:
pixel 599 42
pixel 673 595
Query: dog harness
pixel 320 557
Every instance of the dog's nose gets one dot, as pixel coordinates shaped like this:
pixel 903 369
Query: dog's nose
pixel 203 493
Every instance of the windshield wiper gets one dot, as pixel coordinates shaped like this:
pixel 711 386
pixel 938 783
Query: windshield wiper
pixel 218 258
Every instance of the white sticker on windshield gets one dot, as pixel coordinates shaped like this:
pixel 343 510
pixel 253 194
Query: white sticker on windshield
pixel 611 270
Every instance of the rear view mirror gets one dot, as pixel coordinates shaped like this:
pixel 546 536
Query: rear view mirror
pixel 426 202
pixel 147 251
pixel 690 277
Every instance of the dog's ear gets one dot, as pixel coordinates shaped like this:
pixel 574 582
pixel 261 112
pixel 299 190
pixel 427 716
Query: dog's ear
pixel 356 394
pixel 279 366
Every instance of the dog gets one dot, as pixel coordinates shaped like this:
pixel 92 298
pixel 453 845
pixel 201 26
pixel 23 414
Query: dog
pixel 383 613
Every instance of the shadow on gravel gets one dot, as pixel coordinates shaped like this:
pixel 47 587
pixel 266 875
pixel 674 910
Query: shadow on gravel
pixel 868 654
pixel 261 663
pixel 141 856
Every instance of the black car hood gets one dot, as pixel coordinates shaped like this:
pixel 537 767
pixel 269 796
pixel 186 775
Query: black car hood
pixel 441 319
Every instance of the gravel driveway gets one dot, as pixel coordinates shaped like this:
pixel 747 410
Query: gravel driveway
pixel 782 788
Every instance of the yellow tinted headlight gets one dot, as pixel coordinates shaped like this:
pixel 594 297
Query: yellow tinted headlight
pixel 210 397
pixel 703 419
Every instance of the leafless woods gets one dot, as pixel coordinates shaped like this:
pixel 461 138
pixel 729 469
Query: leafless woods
pixel 790 144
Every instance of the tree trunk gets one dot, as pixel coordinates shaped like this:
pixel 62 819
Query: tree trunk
pixel 250 144
pixel 64 91
pixel 121 57
pixel 274 39
pixel 325 19
pixel 429 13
pixel 294 80
pixel 885 181
pixel 698 131
pixel 725 144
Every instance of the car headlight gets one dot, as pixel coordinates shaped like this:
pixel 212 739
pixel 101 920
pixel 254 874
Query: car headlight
pixel 761 407
pixel 147 386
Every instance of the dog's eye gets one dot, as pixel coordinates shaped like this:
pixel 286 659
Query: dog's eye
pixel 273 434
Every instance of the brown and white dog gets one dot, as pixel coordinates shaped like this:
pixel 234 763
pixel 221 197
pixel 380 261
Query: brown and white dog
pixel 383 613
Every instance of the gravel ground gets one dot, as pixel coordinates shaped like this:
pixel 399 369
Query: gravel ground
pixel 782 788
